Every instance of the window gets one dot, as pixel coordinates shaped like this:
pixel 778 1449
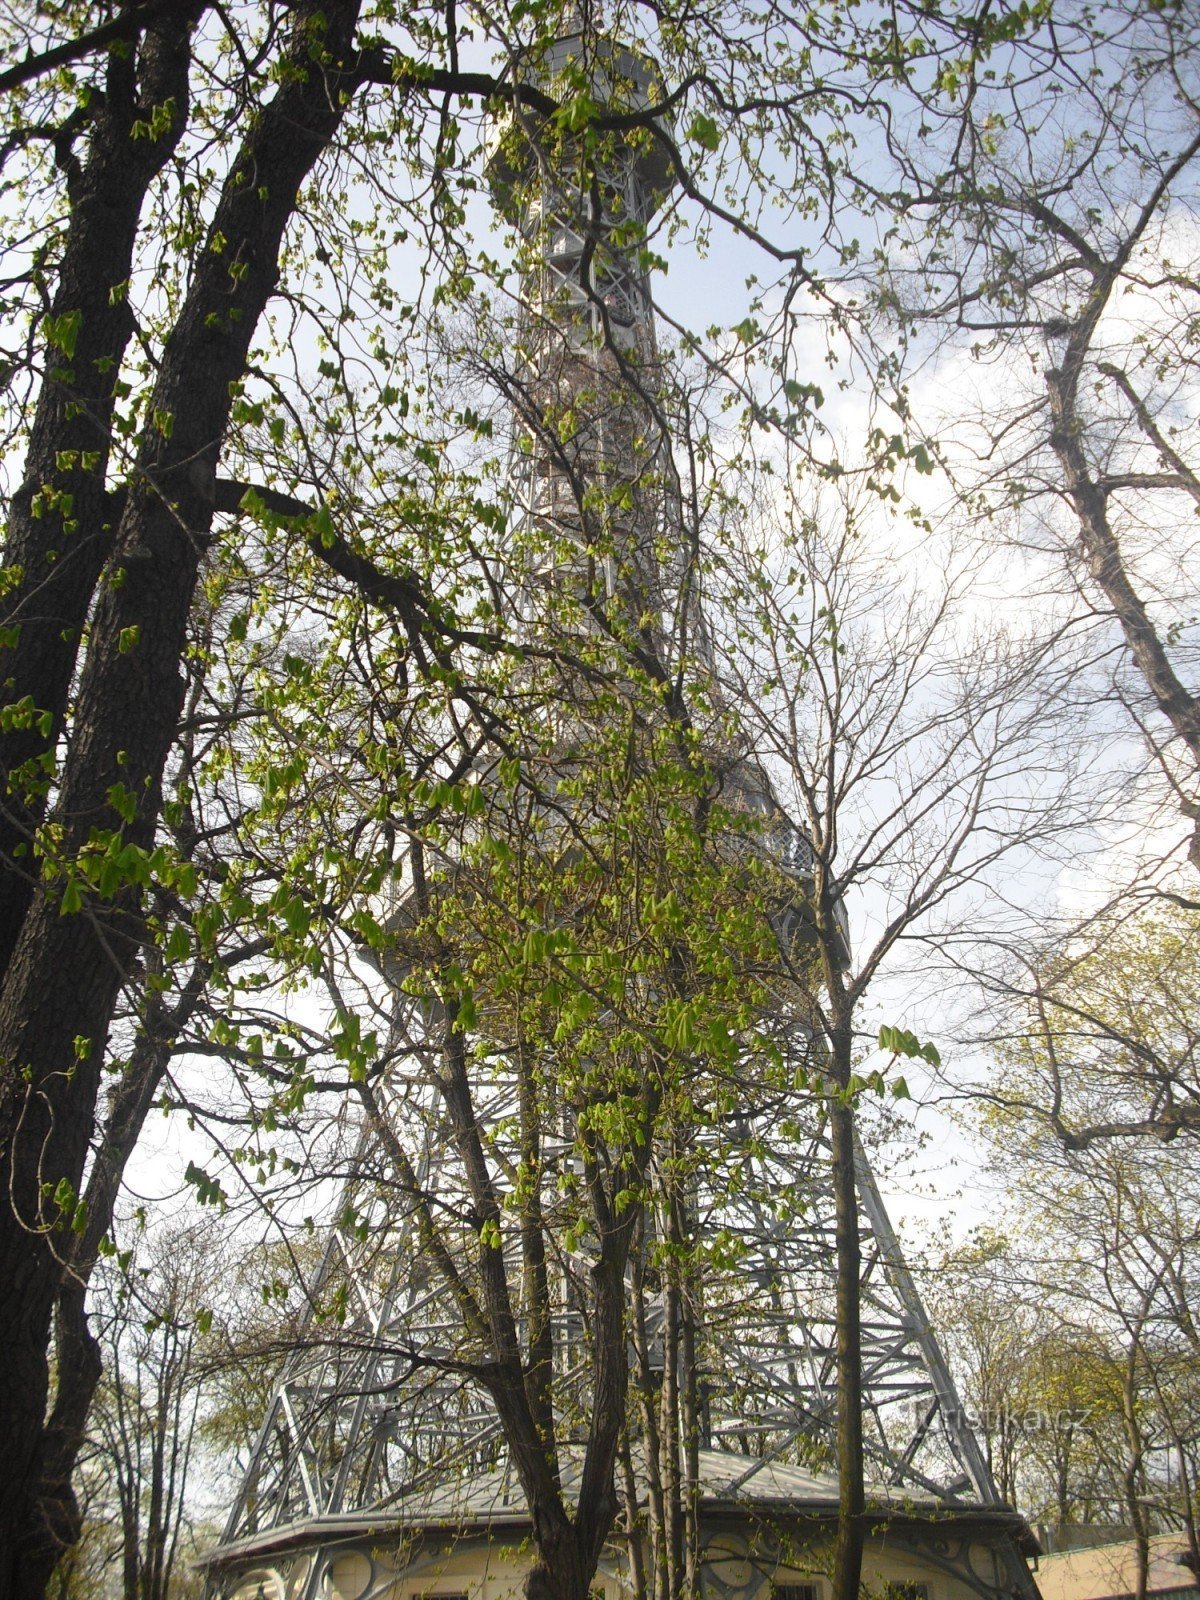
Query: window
pixel 903 1589
pixel 795 1591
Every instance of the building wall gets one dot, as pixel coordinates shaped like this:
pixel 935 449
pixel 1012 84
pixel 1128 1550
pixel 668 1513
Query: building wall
pixel 759 1561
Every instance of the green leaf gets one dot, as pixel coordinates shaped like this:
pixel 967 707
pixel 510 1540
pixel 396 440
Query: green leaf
pixel 208 1190
pixel 123 801
pixel 62 331
pixel 801 393
pixel 702 130
pixel 900 1042
pixel 467 1013
pixel 322 526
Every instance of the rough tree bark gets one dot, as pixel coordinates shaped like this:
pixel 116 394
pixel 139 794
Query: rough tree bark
pixel 61 983
pixel 60 525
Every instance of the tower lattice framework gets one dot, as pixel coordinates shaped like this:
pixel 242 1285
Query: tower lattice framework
pixel 376 1415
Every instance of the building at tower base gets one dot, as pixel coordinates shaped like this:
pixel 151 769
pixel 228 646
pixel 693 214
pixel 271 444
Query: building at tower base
pixel 767 1533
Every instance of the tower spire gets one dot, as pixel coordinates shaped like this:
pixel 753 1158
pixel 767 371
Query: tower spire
pixel 591 470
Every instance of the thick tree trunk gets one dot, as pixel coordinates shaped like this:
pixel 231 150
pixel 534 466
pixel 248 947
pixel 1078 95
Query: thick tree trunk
pixel 561 1571
pixel 61 523
pixel 62 982
pixel 569 1548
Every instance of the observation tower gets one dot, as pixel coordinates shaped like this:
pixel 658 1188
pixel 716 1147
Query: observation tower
pixel 383 1467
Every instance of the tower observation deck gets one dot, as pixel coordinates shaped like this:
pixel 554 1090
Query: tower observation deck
pixel 383 1436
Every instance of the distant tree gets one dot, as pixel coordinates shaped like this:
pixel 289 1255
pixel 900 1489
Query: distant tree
pixel 1041 1389
pixel 151 1309
pixel 1108 1252
pixel 1098 1037
pixel 1049 188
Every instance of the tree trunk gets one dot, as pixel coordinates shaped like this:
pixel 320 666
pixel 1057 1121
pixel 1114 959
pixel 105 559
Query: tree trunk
pixel 668 1426
pixel 1102 552
pixel 689 1383
pixel 61 985
pixel 61 522
pixel 656 1578
pixel 847 1564
pixel 560 1571
pixel 1134 1458
pixel 634 1523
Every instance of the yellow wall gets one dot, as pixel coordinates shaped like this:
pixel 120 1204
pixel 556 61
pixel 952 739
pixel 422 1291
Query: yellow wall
pixel 494 1569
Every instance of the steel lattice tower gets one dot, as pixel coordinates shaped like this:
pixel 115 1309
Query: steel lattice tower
pixel 372 1420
